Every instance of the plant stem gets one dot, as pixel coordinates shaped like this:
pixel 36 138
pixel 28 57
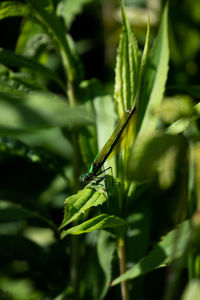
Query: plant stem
pixel 75 240
pixel 122 264
pixel 76 156
pixel 71 93
pixel 75 261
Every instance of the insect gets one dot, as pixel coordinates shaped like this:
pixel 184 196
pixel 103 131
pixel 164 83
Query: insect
pixel 112 144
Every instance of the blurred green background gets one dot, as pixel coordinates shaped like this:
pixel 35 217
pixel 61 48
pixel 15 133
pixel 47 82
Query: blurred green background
pixel 34 262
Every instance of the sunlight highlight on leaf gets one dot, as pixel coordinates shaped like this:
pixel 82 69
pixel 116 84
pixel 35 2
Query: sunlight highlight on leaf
pixel 79 203
pixel 174 108
pixel 13 9
pixel 154 80
pixel 172 246
pixel 156 153
pixel 99 222
pixel 127 68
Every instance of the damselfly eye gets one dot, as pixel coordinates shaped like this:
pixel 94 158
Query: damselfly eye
pixel 82 177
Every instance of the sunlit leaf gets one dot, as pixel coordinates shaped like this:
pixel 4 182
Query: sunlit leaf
pixel 69 9
pixel 45 139
pixel 174 108
pixel 144 61
pixel 39 111
pixel 76 59
pixel 154 79
pixel 88 143
pixel 156 153
pixel 192 290
pixel 77 204
pixel 54 27
pixel 13 9
pixel 92 94
pixel 29 32
pixel 178 126
pixel 105 123
pixel 99 222
pixel 197 108
pixel 36 44
pixel 127 65
pixel 195 148
pixel 172 247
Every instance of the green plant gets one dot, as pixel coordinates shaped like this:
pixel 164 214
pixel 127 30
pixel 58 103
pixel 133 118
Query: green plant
pixel 50 129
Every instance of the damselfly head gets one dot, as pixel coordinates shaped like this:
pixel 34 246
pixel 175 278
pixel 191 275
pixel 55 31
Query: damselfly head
pixel 84 177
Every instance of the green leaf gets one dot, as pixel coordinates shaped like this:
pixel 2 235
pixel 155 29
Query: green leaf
pixel 178 126
pixel 105 249
pixel 29 32
pixel 13 9
pixel 143 66
pixel 105 118
pixel 93 138
pixel 36 45
pixel 11 87
pixel 192 290
pixel 197 109
pixel 39 111
pixel 69 9
pixel 92 94
pixel 54 27
pixel 174 108
pixel 172 247
pixel 88 143
pixel 99 222
pixel 154 79
pixel 145 53
pixel 195 166
pixel 127 65
pixel 11 59
pixel 17 83
pixel 77 204
pixel 156 153
pixel 76 59
pixel 45 139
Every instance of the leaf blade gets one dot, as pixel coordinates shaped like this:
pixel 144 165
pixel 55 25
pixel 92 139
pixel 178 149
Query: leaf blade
pixel 154 79
pixel 105 251
pixel 99 222
pixel 54 27
pixel 79 203
pixel 11 59
pixel 13 9
pixel 126 70
pixel 162 254
pixel 39 111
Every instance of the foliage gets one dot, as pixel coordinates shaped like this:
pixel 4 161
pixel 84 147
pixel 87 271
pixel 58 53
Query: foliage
pixel 139 224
